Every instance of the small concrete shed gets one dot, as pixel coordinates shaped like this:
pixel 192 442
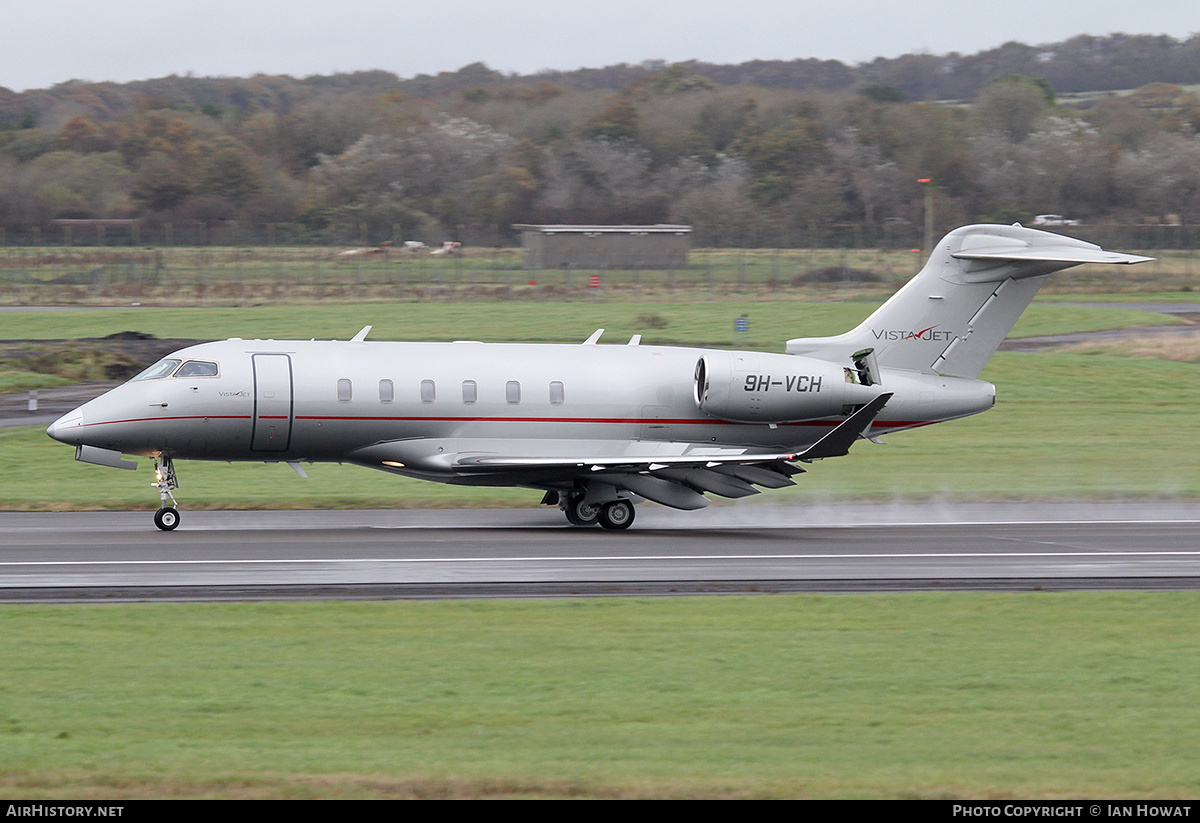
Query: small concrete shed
pixel 605 247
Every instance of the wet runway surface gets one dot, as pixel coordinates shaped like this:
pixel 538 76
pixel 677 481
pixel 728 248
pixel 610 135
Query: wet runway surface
pixel 530 553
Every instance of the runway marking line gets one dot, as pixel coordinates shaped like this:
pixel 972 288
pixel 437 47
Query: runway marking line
pixel 808 525
pixel 599 558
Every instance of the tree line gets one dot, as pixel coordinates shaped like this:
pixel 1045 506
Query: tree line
pixel 768 153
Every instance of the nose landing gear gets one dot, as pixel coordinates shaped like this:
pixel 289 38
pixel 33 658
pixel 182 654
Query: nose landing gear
pixel 167 517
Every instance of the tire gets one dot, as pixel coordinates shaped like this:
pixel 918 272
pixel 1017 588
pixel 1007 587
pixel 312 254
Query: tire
pixel 617 515
pixel 580 513
pixel 166 518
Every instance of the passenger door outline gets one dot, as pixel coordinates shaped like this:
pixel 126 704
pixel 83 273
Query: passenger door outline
pixel 273 406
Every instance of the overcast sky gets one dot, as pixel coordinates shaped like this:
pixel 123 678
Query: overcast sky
pixel 48 42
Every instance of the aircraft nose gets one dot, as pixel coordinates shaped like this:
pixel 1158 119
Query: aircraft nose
pixel 64 427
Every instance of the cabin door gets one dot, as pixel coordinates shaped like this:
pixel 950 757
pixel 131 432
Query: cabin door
pixel 272 403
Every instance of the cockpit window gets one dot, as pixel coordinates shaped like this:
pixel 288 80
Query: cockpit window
pixel 171 368
pixel 160 369
pixel 197 368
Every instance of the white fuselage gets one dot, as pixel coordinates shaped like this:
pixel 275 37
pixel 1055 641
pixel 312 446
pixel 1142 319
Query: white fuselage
pixel 364 402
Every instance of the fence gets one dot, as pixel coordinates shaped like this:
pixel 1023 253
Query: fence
pixel 47 275
pixel 133 234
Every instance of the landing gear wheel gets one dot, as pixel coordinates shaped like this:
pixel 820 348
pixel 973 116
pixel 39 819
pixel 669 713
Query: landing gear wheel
pixel 580 513
pixel 617 515
pixel 166 518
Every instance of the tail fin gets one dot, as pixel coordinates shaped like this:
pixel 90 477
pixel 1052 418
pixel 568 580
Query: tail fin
pixel 951 318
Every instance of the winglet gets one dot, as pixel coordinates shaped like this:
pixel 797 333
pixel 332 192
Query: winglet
pixel 838 442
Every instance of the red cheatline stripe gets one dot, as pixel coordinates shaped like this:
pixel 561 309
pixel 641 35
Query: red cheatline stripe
pixel 634 420
pixel 888 424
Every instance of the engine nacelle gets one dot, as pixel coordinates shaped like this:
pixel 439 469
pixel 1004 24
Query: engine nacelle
pixel 752 387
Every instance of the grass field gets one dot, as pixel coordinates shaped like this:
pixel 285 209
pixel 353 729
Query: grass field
pixel 981 696
pixel 694 323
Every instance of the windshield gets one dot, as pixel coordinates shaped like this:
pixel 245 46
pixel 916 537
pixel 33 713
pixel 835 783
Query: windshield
pixel 197 368
pixel 160 369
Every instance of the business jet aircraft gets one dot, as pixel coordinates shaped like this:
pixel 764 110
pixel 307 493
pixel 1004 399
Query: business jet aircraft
pixel 596 427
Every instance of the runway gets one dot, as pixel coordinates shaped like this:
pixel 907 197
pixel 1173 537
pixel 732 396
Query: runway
pixel 95 556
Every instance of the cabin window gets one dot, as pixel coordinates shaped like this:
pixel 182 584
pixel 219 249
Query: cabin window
pixel 428 391
pixel 557 393
pixel 512 392
pixel 387 391
pixel 160 369
pixel 344 392
pixel 197 368
pixel 470 391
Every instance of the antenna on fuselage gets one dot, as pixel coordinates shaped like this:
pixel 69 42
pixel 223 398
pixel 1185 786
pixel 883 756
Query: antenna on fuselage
pixel 361 336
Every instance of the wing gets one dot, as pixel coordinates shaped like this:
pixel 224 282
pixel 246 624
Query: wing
pixel 678 480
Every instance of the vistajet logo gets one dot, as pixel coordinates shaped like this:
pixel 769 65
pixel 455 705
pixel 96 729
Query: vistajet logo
pixel 928 334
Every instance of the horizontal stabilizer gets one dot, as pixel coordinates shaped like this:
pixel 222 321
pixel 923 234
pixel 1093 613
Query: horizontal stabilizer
pixel 1050 254
pixel 838 442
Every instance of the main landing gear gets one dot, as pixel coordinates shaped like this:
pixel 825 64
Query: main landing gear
pixel 614 514
pixel 167 517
